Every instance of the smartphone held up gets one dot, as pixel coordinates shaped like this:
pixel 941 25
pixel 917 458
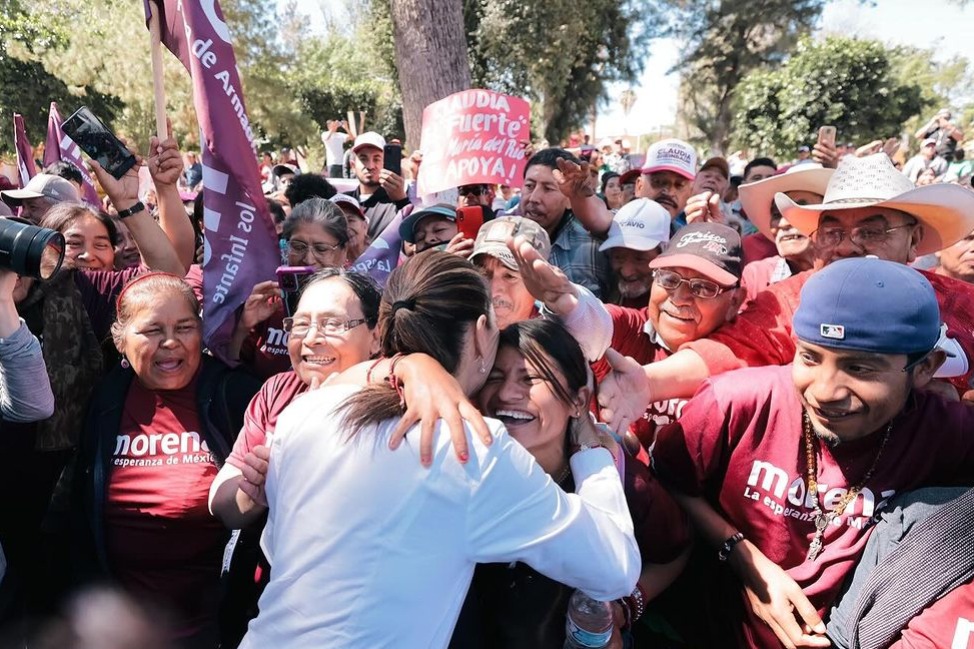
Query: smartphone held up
pixel 98 142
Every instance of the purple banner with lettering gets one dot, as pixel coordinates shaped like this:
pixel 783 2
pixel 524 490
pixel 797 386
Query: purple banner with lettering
pixel 241 246
pixel 61 147
pixel 382 257
pixel 25 152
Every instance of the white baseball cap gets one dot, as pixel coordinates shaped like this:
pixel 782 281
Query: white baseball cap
pixel 351 202
pixel 640 224
pixel 48 186
pixel 671 155
pixel 370 138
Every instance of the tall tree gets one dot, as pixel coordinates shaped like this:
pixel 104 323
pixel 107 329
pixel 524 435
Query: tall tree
pixel 560 54
pixel 431 54
pixel 726 40
pixel 840 81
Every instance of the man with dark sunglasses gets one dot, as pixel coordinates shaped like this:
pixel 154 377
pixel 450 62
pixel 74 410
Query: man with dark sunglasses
pixel 477 194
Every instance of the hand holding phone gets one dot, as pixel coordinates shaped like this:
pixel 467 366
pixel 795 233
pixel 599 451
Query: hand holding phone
pixel 98 142
pixel 290 279
pixel 826 135
pixel 392 158
pixel 469 220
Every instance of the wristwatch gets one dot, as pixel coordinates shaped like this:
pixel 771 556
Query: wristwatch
pixel 135 209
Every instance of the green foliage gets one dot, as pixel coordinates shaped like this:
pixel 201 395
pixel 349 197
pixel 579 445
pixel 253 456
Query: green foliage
pixel 559 53
pixel 724 42
pixel 840 81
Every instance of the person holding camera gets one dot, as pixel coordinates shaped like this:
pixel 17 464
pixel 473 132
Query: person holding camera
pixel 943 132
pixel 334 146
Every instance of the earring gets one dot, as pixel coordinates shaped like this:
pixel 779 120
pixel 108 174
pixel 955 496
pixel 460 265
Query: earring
pixel 483 366
pixel 125 363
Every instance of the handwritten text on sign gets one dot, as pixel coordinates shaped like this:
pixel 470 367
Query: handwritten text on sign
pixel 473 136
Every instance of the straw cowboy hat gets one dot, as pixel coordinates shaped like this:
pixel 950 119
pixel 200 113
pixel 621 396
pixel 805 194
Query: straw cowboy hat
pixel 756 197
pixel 945 211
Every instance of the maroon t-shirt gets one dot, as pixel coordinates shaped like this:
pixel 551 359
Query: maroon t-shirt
pixel 948 622
pixel 739 445
pixel 260 420
pixel 162 541
pixel 265 350
pixel 99 292
pixel 629 338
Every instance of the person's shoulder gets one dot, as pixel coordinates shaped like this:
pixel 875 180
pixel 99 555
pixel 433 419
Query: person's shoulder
pixel 752 383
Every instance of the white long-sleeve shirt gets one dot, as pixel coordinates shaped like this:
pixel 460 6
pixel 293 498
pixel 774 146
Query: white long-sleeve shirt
pixel 370 549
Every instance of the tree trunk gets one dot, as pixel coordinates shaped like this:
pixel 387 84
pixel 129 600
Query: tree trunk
pixel 431 54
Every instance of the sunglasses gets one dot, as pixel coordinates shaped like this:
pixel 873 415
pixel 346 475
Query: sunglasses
pixel 472 190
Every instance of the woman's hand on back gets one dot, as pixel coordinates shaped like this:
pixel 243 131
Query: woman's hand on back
pixel 431 393
pixel 255 474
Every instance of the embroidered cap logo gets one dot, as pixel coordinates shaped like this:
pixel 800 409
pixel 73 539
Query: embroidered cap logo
pixel 834 331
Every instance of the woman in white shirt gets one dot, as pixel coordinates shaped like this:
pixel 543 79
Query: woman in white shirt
pixel 368 548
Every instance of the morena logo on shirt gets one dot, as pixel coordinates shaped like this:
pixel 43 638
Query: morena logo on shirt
pixel 963 634
pixel 145 449
pixel 275 342
pixel 770 486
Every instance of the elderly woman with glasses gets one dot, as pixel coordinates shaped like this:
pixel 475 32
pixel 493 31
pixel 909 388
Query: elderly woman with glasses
pixel 316 235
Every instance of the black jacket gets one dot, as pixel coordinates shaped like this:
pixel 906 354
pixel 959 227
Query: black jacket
pixel 222 396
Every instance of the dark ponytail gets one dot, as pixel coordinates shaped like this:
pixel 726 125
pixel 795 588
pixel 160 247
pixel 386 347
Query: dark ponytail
pixel 428 305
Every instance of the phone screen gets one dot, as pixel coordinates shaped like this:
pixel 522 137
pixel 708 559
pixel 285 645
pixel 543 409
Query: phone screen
pixel 99 143
pixel 826 135
pixel 392 158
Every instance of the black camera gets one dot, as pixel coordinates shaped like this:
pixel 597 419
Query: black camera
pixel 30 250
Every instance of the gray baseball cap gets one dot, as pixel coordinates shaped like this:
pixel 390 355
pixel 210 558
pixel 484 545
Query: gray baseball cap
pixel 48 186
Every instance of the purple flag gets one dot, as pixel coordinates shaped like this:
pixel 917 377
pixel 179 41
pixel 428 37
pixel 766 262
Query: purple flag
pixel 61 147
pixel 241 246
pixel 25 152
pixel 382 257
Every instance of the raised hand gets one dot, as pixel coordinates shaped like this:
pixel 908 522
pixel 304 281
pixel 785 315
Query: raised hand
pixel 826 155
pixel 263 301
pixel 544 281
pixel 460 245
pixel 165 162
pixel 623 393
pixel 704 207
pixel 574 180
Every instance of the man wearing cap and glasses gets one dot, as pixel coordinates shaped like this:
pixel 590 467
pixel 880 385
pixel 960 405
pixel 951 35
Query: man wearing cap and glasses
pixel 869 208
pixel 695 290
pixel 783 468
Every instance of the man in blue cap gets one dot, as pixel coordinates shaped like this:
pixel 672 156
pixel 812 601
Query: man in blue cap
pixel 782 468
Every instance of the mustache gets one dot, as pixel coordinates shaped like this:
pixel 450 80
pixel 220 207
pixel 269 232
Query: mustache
pixel 501 303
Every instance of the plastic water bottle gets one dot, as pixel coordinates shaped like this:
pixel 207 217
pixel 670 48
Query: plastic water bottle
pixel 588 624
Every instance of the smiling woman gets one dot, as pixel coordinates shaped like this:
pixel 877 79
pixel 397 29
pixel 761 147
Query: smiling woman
pixel 147 458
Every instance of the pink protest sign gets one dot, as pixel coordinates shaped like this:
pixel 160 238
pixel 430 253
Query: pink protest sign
pixel 473 136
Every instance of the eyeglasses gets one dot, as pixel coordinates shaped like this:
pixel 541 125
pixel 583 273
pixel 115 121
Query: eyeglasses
pixel 864 237
pixel 659 181
pixel 472 190
pixel 319 250
pixel 702 288
pixel 325 326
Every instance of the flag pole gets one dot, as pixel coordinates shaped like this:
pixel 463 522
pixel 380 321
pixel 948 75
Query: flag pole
pixel 162 131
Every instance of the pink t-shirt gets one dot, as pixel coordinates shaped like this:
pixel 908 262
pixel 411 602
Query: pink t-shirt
pixel 948 622
pixel 738 444
pixel 262 413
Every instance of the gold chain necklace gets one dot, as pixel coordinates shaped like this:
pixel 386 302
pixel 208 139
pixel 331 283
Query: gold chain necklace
pixel 823 519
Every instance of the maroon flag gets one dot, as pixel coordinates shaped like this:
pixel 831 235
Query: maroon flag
pixel 241 246
pixel 25 152
pixel 61 147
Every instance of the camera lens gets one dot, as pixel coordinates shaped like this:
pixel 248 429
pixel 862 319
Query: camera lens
pixel 30 250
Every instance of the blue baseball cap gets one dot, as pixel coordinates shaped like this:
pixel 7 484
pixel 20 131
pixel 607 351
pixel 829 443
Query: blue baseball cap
pixel 869 304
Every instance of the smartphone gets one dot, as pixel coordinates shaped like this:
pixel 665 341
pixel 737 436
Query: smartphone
pixel 392 158
pixel 826 135
pixel 291 279
pixel 469 220
pixel 96 140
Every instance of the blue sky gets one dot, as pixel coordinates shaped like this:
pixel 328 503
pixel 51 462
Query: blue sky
pixel 928 24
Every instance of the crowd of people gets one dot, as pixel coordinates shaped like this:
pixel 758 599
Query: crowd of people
pixel 729 398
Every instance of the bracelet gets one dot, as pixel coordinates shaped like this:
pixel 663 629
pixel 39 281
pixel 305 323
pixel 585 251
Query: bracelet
pixel 395 383
pixel 368 374
pixel 135 209
pixel 724 553
pixel 637 603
